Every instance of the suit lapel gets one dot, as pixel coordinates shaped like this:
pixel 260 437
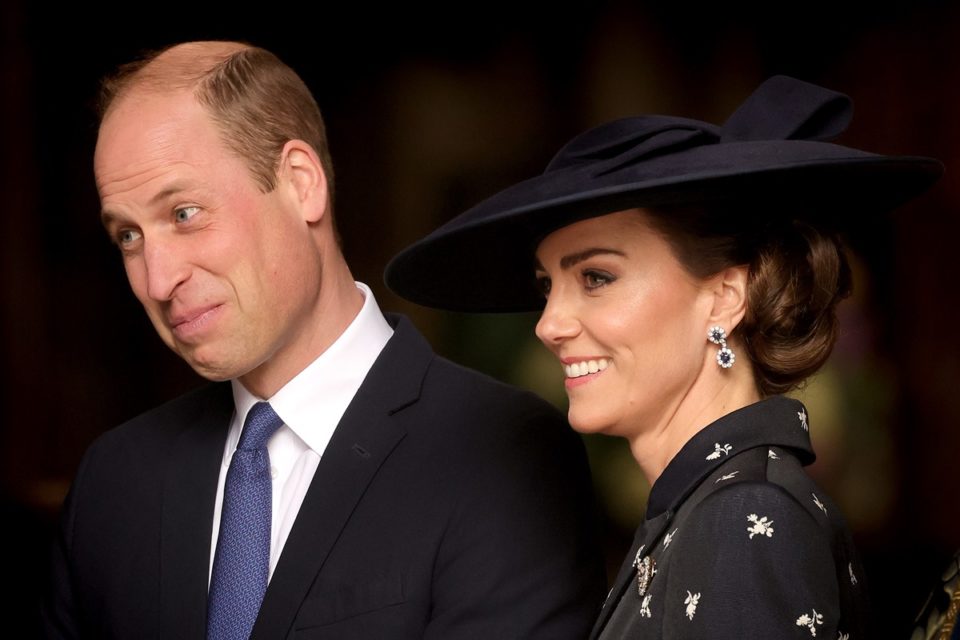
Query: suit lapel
pixel 190 489
pixel 364 439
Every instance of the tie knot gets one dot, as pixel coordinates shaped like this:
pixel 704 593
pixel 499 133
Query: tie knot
pixel 261 423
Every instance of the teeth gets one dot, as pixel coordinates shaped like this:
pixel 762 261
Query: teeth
pixel 578 369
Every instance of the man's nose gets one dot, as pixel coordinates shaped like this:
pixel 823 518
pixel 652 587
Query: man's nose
pixel 165 268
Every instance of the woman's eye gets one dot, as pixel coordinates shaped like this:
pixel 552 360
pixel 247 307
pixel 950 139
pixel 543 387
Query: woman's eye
pixel 543 284
pixel 183 214
pixel 596 279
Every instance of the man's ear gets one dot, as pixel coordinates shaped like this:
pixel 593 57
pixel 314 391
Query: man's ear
pixel 300 171
pixel 729 297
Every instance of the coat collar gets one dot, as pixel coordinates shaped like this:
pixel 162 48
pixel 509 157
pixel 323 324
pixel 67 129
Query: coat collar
pixel 775 421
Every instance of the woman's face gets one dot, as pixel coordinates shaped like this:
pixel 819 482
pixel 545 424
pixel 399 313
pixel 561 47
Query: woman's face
pixel 626 320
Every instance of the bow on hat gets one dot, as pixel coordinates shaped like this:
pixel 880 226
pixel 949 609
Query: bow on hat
pixel 773 146
pixel 781 109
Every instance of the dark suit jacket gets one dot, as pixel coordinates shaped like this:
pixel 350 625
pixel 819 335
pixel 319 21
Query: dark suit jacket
pixel 446 505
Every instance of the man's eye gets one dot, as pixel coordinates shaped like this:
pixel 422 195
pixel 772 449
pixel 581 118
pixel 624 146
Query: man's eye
pixel 126 237
pixel 183 214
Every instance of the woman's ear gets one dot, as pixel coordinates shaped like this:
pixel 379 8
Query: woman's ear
pixel 730 297
pixel 300 171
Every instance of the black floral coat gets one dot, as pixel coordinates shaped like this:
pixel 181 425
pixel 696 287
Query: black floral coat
pixel 738 542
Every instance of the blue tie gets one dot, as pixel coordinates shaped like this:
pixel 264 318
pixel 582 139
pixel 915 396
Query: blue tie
pixel 242 561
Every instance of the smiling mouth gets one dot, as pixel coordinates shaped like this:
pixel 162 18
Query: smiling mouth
pixel 193 323
pixel 579 369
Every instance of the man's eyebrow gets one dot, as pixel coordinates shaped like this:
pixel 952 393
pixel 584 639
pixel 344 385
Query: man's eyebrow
pixel 171 189
pixel 107 217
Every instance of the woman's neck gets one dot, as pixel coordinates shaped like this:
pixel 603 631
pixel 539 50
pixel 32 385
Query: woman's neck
pixel 713 395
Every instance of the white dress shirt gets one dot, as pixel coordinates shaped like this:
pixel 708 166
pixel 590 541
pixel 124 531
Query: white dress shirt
pixel 311 406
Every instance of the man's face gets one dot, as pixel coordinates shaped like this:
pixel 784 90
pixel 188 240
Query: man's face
pixel 229 276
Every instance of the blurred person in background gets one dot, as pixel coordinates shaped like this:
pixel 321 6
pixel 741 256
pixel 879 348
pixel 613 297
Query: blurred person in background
pixel 939 619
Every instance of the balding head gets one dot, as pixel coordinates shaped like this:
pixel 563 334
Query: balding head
pixel 257 101
pixel 181 66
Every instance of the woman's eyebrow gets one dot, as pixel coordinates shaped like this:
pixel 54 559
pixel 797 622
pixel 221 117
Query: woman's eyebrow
pixel 570 260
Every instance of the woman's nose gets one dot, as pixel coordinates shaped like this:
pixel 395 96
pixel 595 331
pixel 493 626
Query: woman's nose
pixel 558 321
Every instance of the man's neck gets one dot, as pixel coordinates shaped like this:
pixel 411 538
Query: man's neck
pixel 337 305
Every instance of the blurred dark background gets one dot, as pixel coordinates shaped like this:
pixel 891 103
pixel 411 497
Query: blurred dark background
pixel 428 112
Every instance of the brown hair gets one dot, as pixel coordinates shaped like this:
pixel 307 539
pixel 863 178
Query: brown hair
pixel 798 273
pixel 258 102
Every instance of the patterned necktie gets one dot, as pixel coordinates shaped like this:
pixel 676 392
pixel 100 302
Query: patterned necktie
pixel 242 561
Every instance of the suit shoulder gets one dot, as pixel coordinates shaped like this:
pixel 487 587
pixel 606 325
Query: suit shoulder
pixel 441 389
pixel 475 408
pixel 468 419
pixel 166 421
pixel 127 464
pixel 466 387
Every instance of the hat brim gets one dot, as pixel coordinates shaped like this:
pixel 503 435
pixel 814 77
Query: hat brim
pixel 483 260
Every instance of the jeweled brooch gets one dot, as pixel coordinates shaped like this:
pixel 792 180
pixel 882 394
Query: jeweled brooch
pixel 646 569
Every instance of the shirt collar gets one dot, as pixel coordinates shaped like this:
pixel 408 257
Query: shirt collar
pixel 313 402
pixel 774 421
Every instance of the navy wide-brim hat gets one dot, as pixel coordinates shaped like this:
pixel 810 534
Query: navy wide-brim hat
pixel 771 149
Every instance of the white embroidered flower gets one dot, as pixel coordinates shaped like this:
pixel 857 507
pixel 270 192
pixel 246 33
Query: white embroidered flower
pixel 667 539
pixel 819 504
pixel 645 606
pixel 638 557
pixel 810 621
pixel 843 636
pixel 717 450
pixel 772 454
pixel 728 476
pixel 802 414
pixel 761 526
pixel 692 600
pixel 853 578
